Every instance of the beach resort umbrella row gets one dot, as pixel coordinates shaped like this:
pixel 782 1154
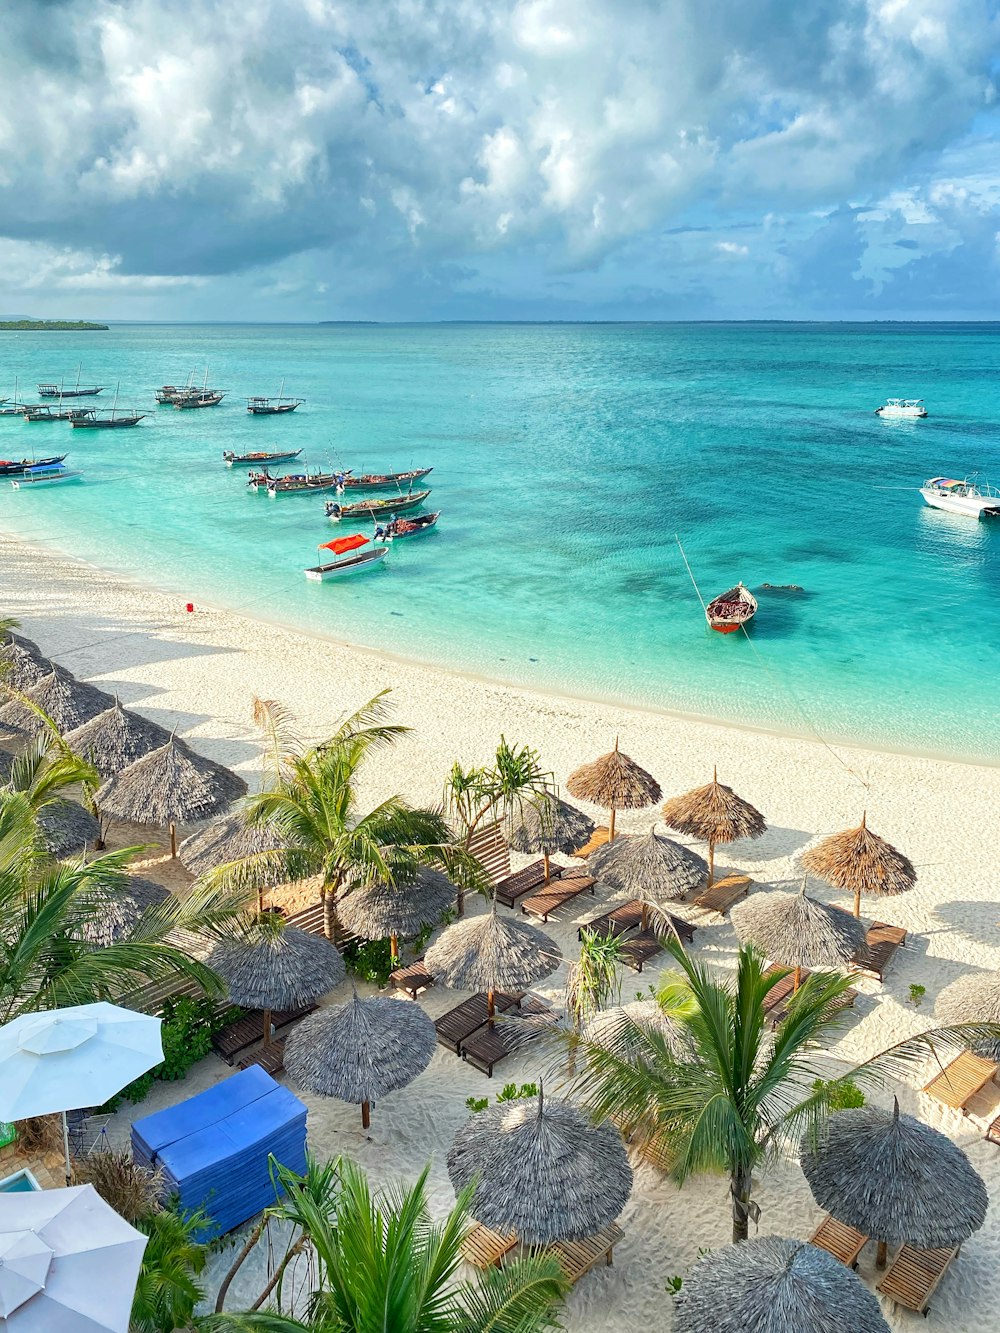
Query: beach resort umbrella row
pixel 379 911
pixel 68 701
pixel 492 953
pixel 614 782
pixel 23 665
pixel 550 825
pixel 713 814
pixel 796 931
pixel 116 738
pixel 860 862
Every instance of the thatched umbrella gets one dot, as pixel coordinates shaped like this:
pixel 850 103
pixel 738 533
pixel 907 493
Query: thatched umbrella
pixel 67 828
pixel 230 838
pixel 892 1177
pixel 713 814
pixel 281 967
pixel 379 911
pixel 169 786
pixel 552 825
pixel 650 867
pixel 123 908
pixel 492 953
pixel 6 765
pixel 361 1050
pixel 68 701
pixel 797 931
pixel 632 1018
pixel 615 782
pixel 973 998
pixel 774 1285
pixel 541 1170
pixel 859 861
pixel 22 666
pixel 116 738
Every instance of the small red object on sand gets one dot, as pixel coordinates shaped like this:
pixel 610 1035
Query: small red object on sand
pixel 189 606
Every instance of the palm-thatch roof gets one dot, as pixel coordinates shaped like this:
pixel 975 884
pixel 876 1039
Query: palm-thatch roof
pixel 491 952
pixel 278 969
pixel 774 1285
pixel 170 785
pixel 553 825
pixel 361 1050
pixel 713 813
pixel 614 782
pixel 648 866
pixel 796 931
pixel 859 861
pixel 377 911
pixel 116 738
pixel 6 765
pixel 67 828
pixel 972 998
pixel 230 838
pixel 894 1178
pixel 122 909
pixel 626 1024
pixel 68 701
pixel 22 665
pixel 541 1169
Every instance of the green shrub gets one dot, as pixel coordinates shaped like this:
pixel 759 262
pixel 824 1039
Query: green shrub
pixel 917 993
pixel 188 1024
pixel 371 960
pixel 844 1094
pixel 476 1104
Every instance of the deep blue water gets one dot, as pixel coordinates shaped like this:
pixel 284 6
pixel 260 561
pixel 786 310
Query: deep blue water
pixel 565 459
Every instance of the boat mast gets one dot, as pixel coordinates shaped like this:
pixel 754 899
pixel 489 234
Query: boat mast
pixel 281 391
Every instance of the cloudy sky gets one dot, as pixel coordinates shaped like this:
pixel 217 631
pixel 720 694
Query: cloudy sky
pixel 476 159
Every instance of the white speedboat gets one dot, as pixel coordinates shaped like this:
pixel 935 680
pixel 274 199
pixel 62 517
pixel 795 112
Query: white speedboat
pixel 44 475
pixel 962 497
pixel 902 407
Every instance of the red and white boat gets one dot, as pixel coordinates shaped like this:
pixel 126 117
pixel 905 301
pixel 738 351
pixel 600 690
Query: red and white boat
pixel 732 610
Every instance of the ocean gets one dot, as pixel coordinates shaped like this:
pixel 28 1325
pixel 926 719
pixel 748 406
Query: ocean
pixel 568 459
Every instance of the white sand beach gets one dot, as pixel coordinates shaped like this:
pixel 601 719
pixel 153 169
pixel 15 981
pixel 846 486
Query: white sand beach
pixel 197 673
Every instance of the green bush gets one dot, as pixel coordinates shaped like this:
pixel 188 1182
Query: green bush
pixel 188 1024
pixel 371 960
pixel 845 1095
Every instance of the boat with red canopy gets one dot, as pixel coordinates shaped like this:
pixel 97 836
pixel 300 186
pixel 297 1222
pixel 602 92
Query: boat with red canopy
pixel 731 610
pixel 353 559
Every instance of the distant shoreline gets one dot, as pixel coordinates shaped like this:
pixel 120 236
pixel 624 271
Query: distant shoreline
pixel 51 326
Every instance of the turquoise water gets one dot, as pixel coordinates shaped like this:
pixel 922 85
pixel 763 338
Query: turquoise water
pixel 565 458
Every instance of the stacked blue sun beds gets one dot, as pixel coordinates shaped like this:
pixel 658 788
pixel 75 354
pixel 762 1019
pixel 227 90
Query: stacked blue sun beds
pixel 214 1149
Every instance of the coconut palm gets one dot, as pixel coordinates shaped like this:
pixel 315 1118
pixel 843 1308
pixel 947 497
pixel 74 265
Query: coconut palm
pixel 593 981
pixel 313 807
pixel 47 769
pixel 168 1288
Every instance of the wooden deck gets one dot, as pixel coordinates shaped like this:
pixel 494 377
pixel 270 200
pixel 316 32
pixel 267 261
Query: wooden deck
pixel 914 1276
pixel 959 1082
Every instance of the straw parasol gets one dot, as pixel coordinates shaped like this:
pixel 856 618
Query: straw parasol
pixel 69 703
pixel 6 765
pixel 859 861
pixel 230 838
pixel 22 665
pixel 279 967
pixel 492 953
pixel 650 867
pixel 551 825
pixel 116 738
pixel 774 1285
pixel 713 814
pixel 632 1018
pixel 541 1169
pixel 361 1050
pixel 892 1177
pixel 797 931
pixel 67 828
pixel 973 998
pixel 615 782
pixel 169 786
pixel 385 911
pixel 122 909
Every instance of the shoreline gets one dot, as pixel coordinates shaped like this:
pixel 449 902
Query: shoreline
pixel 41 549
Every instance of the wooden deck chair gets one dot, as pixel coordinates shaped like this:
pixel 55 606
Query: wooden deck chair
pixel 484 1248
pixel 959 1082
pixel 882 943
pixel 489 847
pixel 508 890
pixel 840 1240
pixel 460 1023
pixel 411 979
pixel 597 839
pixel 578 1257
pixel 557 895
pixel 270 1056
pixel 724 893
pixel 914 1276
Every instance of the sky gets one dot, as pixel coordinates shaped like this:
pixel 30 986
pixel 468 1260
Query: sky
pixel 299 160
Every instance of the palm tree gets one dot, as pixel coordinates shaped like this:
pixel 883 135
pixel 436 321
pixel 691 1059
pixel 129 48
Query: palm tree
pixel 385 1267
pixel 593 981
pixel 735 1093
pixel 313 806
pixel 47 769
pixel 168 1288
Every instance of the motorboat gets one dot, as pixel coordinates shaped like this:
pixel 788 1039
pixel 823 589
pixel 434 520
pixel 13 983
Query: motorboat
pixel 406 527
pixel 962 497
pixel 46 475
pixel 232 459
pixel 395 504
pixel 351 561
pixel 902 407
pixel 10 467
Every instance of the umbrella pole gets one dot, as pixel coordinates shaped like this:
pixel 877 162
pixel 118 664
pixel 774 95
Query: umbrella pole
pixel 267 1027
pixel 490 1009
pixel 69 1169
pixel 366 1115
pixel 881 1254
pixel 857 903
pixel 173 841
pixel 394 950
pixel 545 859
pixel 711 864
pixel 611 826
pixel 797 979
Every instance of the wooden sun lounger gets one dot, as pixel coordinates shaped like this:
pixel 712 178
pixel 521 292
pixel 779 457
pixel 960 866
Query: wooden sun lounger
pixel 598 838
pixel 551 899
pixel 523 881
pixel 959 1082
pixel 412 979
pixel 243 1032
pixel 489 1046
pixel 618 922
pixel 657 1151
pixel 840 1240
pixel 484 1248
pixel 724 893
pixel 637 950
pixel 882 943
pixel 578 1257
pixel 914 1276
pixel 458 1024
pixel 779 997
pixel 270 1056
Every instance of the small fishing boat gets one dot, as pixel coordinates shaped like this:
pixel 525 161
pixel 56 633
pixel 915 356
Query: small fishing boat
pixel 902 407
pixel 962 497
pixel 200 398
pixel 39 412
pixel 351 563
pixel 78 391
pixel 11 468
pixel 169 393
pixel 112 421
pixel 258 456
pixel 379 481
pixel 259 406
pixel 406 527
pixel 43 476
pixel 732 610
pixel 12 407
pixel 294 483
pixel 374 508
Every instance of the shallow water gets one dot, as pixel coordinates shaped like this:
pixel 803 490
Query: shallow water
pixel 565 459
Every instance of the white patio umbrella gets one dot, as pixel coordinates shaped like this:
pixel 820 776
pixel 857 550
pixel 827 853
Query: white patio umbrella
pixel 68 1263
pixel 64 1059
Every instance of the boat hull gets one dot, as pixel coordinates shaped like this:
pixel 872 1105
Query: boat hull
pixel 728 626
pixel 265 460
pixel 69 393
pixel 372 483
pixel 415 532
pixel 377 508
pixel 42 479
pixel 900 413
pixel 342 568
pixel 95 423
pixel 11 469
pixel 972 506
pixel 731 611
pixel 272 411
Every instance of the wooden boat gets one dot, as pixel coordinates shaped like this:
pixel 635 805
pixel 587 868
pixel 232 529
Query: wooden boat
pixel 114 419
pixel 38 412
pixel 406 527
pixel 78 391
pixel 351 560
pixel 294 483
pixel 201 398
pixel 258 456
pixel 169 393
pixel 378 481
pixel 12 407
pixel 732 610
pixel 10 468
pixel 45 476
pixel 375 508
pixel 260 406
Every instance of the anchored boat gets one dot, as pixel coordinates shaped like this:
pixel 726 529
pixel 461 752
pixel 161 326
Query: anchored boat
pixel 902 407
pixel 258 456
pixel 962 497
pixel 406 527
pixel 115 419
pixel 43 476
pixel 10 468
pixel 39 412
pixel 353 561
pixel 294 482
pixel 78 391
pixel 395 504
pixel 379 481
pixel 731 610
pixel 259 406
